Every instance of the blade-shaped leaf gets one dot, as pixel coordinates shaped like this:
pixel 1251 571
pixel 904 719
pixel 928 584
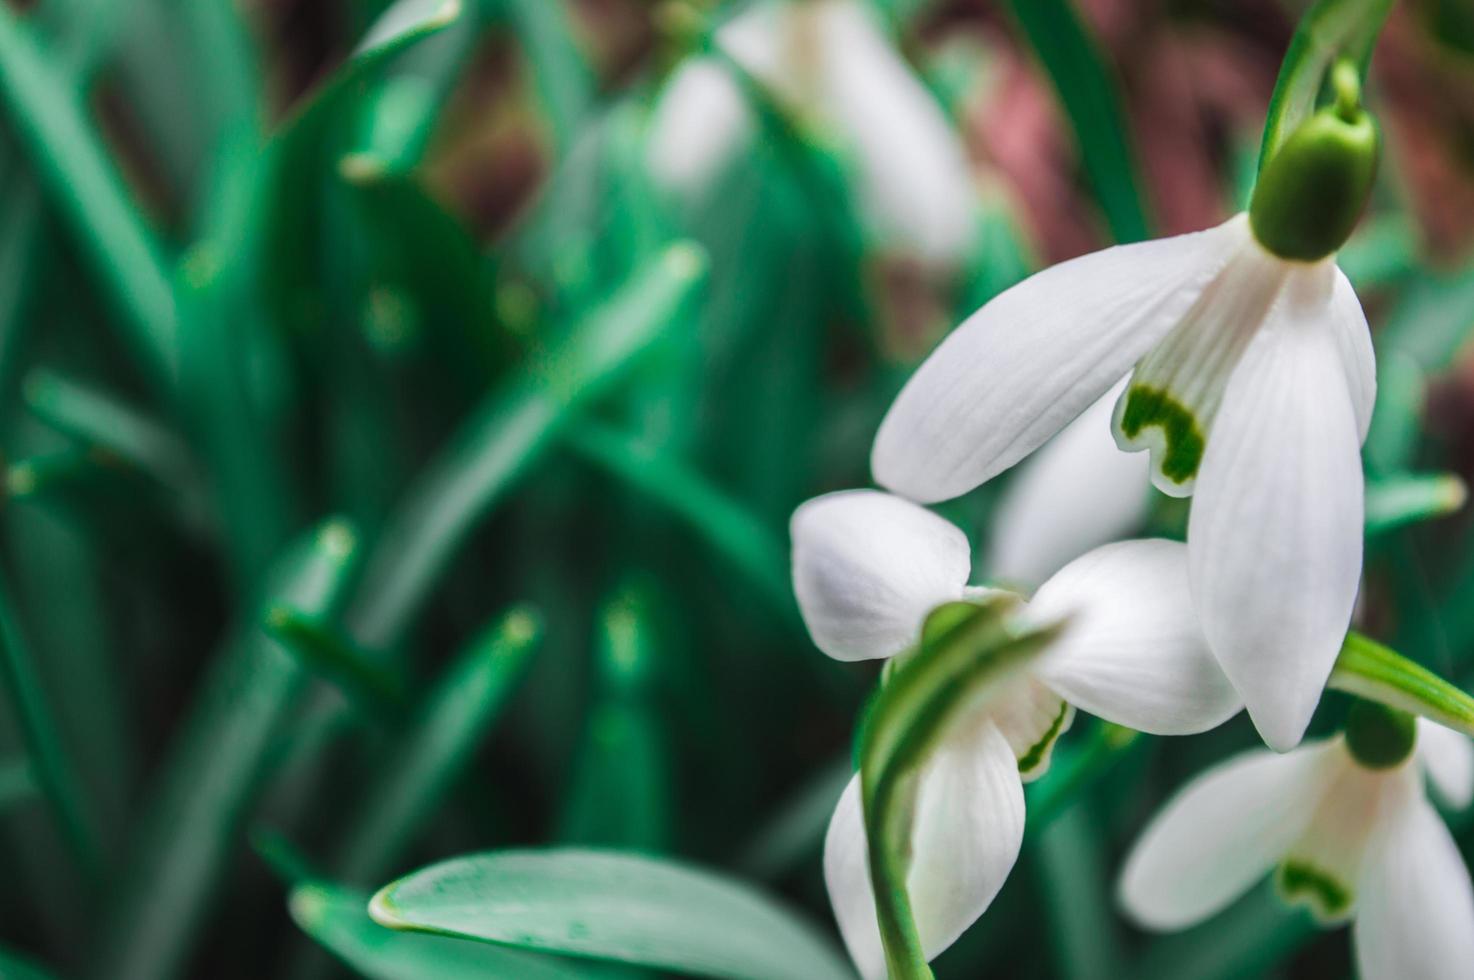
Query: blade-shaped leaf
pixel 612 906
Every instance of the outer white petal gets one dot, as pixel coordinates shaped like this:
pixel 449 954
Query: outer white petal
pixel 1448 756
pixel 1417 905
pixel 1219 835
pixel 1133 652
pixel 1076 493
pixel 696 127
pixel 1354 341
pixel 1016 371
pixel 915 177
pixel 968 826
pixel 868 567
pixel 1274 540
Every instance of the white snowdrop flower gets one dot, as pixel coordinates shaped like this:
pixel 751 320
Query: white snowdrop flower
pixel 867 568
pixel 1076 493
pixel 828 61
pixel 1348 827
pixel 1251 382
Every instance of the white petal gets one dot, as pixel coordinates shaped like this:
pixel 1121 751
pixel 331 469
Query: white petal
pixel 915 178
pixel 1219 835
pixel 1076 493
pixel 868 567
pixel 1417 908
pixel 969 822
pixel 1020 368
pixel 1133 652
pixel 1354 341
pixel 1448 757
pixel 696 126
pixel 1274 540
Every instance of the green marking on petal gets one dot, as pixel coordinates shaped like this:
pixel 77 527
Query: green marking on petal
pixel 1147 406
pixel 1039 751
pixel 1328 898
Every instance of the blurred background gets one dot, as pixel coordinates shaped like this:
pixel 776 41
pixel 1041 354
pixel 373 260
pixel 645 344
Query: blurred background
pixel 400 429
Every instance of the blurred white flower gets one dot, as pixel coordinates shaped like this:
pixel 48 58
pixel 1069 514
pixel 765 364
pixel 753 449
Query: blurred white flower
pixel 1253 380
pixel 867 568
pixel 1349 840
pixel 1076 493
pixel 830 62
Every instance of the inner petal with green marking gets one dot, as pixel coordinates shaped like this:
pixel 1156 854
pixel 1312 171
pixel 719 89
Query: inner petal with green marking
pixel 1328 897
pixel 1032 719
pixel 1169 406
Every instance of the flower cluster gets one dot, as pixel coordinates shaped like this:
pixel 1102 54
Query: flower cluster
pixel 1240 361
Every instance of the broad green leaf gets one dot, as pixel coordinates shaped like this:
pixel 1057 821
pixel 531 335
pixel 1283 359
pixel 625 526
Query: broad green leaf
pixel 612 906
pixel 338 919
pixel 1330 30
pixel 1396 501
pixel 507 433
pixel 215 769
pixel 1090 95
pixel 437 746
pixel 1370 670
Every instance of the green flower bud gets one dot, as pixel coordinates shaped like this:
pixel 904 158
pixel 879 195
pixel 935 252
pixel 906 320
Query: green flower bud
pixel 1379 737
pixel 1313 190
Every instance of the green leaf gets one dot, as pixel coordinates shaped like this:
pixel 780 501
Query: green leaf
pixel 968 652
pixel 1076 768
pixel 51 765
pixel 1090 96
pixel 1370 670
pixel 507 434
pixel 438 746
pixel 375 691
pixel 1396 501
pixel 560 74
pixel 17 785
pixel 338 919
pixel 1329 31
pixel 216 768
pixel 737 535
pixel 611 906
pixel 620 794
pixel 81 179
pixel 15 967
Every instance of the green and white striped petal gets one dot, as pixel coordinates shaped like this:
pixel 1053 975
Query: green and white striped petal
pixel 965 837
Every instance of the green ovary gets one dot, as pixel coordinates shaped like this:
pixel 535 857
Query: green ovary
pixel 1146 407
pixel 1304 882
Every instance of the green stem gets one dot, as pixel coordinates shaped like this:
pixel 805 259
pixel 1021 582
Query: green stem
pixel 1378 673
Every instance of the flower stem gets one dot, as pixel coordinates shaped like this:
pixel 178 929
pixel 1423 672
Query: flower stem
pixel 1377 673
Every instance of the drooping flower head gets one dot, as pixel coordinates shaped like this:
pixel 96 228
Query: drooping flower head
pixel 1348 828
pixel 1251 386
pixel 868 567
pixel 830 62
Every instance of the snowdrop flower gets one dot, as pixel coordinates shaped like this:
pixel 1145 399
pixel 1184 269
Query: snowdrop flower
pixel 1075 494
pixel 1348 825
pixel 1251 382
pixel 830 61
pixel 867 568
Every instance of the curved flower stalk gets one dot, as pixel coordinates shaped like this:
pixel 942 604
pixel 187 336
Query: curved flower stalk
pixel 1252 380
pixel 1348 826
pixel 1076 493
pixel 828 61
pixel 868 568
